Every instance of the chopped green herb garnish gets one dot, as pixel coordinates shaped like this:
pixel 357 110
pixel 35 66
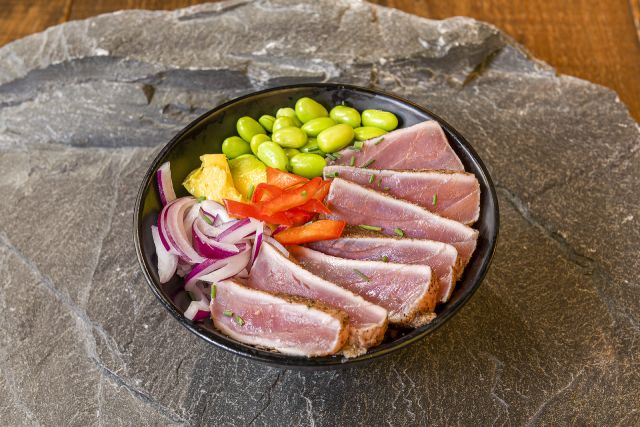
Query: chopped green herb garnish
pixel 371 179
pixel 337 155
pixel 332 174
pixel 252 188
pixel 399 232
pixel 435 199
pixel 239 320
pixel 361 274
pixel 370 227
pixel 207 219
pixel 228 313
pixel 213 292
pixel 201 199
pixel 304 193
pixel 352 161
pixel 369 163
pixel 358 145
pixel 379 141
pixel 386 188
pixel 331 156
pixel 385 259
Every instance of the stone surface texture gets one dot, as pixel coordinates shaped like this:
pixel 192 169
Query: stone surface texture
pixel 551 337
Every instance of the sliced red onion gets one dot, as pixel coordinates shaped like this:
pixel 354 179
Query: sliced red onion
pixel 176 234
pixel 238 230
pixel 167 262
pixel 231 266
pixel 209 247
pixel 257 241
pixel 215 211
pixel 243 274
pixel 165 184
pixel 189 219
pixel 201 315
pixel 278 229
pixel 183 268
pixel 277 245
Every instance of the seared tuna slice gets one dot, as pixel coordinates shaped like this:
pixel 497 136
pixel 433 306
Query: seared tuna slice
pixel 441 257
pixel 421 146
pixel 408 292
pixel 274 272
pixel 358 205
pixel 289 324
pixel 453 195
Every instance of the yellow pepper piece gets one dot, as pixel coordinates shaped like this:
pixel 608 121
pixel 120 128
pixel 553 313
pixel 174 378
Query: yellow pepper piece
pixel 212 180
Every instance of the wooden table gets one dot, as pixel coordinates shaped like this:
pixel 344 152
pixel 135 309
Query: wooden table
pixel 592 39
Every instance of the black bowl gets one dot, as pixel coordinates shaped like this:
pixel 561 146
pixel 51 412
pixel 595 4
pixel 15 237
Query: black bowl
pixel 205 135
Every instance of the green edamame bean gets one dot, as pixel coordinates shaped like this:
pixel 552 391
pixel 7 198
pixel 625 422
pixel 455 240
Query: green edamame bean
pixel 311 146
pixel 308 165
pixel 367 132
pixel 379 119
pixel 283 122
pixel 288 112
pixel 290 137
pixel 267 122
pixel 273 155
pixel 235 146
pixel 346 115
pixel 308 109
pixel 314 126
pixel 247 127
pixel 257 140
pixel 290 152
pixel 335 138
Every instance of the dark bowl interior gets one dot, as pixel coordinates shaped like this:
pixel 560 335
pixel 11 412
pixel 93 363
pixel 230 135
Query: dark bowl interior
pixel 205 135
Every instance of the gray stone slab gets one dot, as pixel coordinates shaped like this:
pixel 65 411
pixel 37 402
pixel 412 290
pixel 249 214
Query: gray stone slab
pixel 551 337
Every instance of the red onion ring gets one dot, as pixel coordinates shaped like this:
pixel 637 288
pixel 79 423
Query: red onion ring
pixel 165 184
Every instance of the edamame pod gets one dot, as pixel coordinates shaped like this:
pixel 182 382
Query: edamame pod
pixel 311 146
pixel 267 122
pixel 290 152
pixel 247 127
pixel 314 126
pixel 288 112
pixel 235 146
pixel 257 140
pixel 290 137
pixel 308 165
pixel 308 109
pixel 283 122
pixel 346 115
pixel 367 132
pixel 379 119
pixel 273 155
pixel 335 138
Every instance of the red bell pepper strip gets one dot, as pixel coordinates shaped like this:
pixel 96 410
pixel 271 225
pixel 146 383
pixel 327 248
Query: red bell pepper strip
pixel 325 229
pixel 297 216
pixel 246 210
pixel 265 192
pixel 282 179
pixel 322 192
pixel 315 205
pixel 292 198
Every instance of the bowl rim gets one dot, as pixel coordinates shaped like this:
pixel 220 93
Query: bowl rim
pixel 286 361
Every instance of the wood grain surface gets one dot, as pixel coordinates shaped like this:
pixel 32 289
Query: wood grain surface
pixel 591 39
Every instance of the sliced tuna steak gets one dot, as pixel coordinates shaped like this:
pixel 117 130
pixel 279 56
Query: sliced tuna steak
pixel 408 292
pixel 453 195
pixel 421 146
pixel 441 257
pixel 289 324
pixel 358 205
pixel 274 272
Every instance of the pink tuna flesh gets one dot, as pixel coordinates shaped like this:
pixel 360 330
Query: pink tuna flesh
pixel 408 292
pixel 421 146
pixel 274 272
pixel 453 195
pixel 290 325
